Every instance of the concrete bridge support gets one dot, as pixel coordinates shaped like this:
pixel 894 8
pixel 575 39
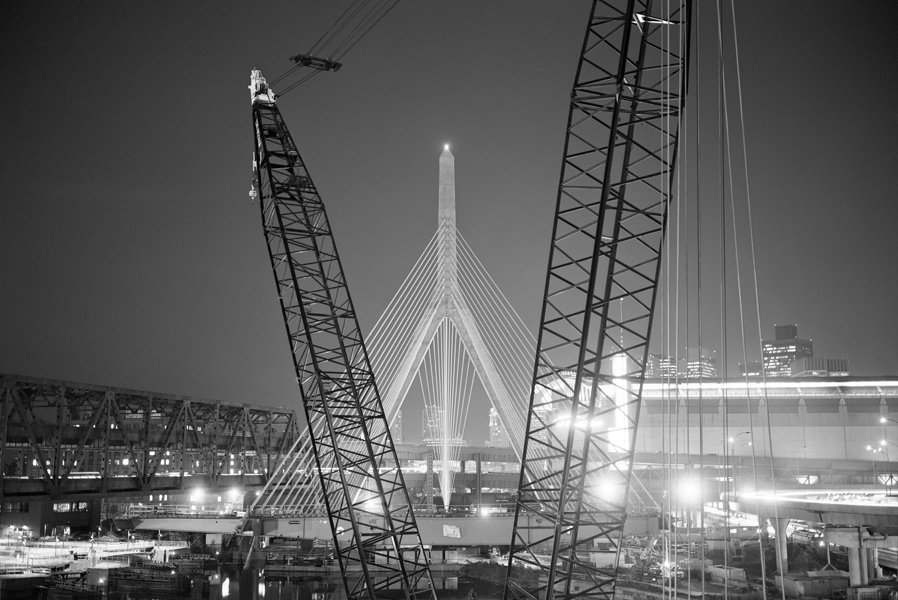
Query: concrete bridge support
pixel 862 567
pixel 862 551
pixel 781 546
pixel 873 568
pixel 854 567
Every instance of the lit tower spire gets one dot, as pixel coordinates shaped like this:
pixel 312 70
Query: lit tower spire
pixel 447 187
pixel 447 230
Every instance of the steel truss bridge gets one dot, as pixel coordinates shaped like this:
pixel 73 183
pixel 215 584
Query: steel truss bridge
pixel 64 440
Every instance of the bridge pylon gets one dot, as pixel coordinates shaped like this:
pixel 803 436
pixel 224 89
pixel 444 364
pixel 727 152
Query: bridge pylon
pixel 451 333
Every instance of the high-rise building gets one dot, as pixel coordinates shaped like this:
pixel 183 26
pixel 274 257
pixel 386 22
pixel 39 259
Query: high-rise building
pixel 659 365
pixel 498 435
pixel 396 429
pixel 754 368
pixel 780 353
pixel 432 424
pixel 820 366
pixel 700 362
pixel 432 428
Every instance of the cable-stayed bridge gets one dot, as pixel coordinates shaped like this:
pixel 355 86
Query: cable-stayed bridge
pixel 448 327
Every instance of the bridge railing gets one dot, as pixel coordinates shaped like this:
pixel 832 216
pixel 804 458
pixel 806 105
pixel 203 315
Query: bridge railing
pixel 139 511
pixel 290 511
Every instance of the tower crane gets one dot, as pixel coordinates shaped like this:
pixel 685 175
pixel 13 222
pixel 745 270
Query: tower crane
pixel 601 285
pixel 368 505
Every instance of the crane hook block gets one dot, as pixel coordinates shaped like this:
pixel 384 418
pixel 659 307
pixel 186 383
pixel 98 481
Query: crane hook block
pixel 258 88
pixel 322 64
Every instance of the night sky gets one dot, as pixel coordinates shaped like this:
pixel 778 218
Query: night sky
pixel 133 257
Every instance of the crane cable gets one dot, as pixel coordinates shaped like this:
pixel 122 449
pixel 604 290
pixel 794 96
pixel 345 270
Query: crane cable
pixel 727 169
pixel 757 301
pixel 360 21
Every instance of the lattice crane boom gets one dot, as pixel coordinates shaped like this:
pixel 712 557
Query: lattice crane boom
pixel 368 505
pixel 601 286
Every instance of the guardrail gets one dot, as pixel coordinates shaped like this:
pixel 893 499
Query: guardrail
pixel 209 511
pixel 215 511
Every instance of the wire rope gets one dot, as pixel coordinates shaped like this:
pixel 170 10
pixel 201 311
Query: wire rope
pixel 358 28
pixel 754 271
pixel 722 284
pixel 315 47
pixel 698 252
pixel 365 32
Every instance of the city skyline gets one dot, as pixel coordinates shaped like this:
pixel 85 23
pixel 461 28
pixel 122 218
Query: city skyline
pixel 133 256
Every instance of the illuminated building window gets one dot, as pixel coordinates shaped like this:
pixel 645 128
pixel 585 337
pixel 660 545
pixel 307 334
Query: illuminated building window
pixel 64 507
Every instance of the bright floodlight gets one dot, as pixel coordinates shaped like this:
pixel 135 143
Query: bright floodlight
pixel 446 147
pixel 608 490
pixel 690 490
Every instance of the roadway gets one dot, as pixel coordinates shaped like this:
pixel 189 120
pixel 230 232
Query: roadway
pixel 877 511
pixel 493 530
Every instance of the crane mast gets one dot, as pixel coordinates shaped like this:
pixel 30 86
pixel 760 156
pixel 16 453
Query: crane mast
pixel 601 285
pixel 368 505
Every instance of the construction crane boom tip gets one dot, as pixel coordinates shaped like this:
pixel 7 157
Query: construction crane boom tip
pixel 258 88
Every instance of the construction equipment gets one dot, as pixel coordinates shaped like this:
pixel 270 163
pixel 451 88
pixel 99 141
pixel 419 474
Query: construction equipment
pixel 368 507
pixel 600 292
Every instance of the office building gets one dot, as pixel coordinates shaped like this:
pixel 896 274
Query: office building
pixel 820 366
pixel 754 368
pixel 700 362
pixel 659 365
pixel 785 349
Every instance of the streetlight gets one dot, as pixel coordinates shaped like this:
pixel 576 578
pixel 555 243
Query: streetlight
pixel 890 477
pixel 885 452
pixel 797 475
pixel 735 437
pixel 24 543
pixel 886 419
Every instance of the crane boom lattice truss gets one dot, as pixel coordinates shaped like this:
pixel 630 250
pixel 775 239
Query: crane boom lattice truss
pixel 600 295
pixel 368 506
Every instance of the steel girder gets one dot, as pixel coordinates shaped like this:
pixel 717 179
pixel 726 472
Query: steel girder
pixel 369 509
pixel 600 294
pixel 61 439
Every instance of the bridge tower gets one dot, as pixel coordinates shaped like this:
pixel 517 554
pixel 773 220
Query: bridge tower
pixel 449 316
pixel 368 506
pixel 604 262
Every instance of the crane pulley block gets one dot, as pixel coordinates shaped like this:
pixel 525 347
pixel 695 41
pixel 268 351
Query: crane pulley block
pixel 322 64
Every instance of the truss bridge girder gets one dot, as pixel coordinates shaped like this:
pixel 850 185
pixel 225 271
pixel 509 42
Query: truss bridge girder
pixel 65 439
